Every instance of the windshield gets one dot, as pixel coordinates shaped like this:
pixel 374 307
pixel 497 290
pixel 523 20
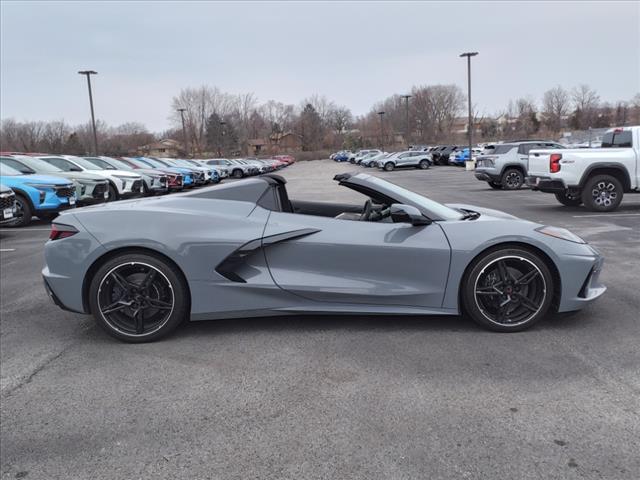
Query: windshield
pixel 38 165
pixel 86 164
pixel 100 163
pixel 119 164
pixel 440 211
pixel 8 171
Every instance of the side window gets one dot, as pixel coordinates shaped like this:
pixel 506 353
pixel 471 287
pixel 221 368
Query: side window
pixel 617 139
pixel 525 147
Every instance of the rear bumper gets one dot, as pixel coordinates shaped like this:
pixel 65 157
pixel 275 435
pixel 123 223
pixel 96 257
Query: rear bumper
pixel 487 177
pixel 545 184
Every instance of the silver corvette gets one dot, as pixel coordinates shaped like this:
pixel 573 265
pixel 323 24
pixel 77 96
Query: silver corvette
pixel 245 249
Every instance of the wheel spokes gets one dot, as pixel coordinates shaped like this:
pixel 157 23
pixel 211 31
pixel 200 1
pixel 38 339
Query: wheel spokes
pixel 527 303
pixel 159 304
pixel 527 278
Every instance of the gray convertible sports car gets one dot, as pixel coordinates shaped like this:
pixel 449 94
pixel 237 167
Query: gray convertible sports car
pixel 245 249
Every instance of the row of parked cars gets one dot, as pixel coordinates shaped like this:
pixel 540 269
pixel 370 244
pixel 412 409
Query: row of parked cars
pixel 42 185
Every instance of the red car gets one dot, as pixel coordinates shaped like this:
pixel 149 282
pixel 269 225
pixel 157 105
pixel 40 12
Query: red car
pixel 288 159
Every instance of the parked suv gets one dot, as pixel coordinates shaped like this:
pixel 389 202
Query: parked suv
pixel 40 195
pixel 406 159
pixel 90 188
pixel 507 166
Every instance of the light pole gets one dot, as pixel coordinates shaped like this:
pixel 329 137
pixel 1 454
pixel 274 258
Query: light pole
pixel 470 123
pixel 381 131
pixel 406 104
pixel 222 124
pixel 88 74
pixel 184 131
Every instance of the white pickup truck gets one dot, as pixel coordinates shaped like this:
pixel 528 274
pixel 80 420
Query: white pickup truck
pixel 595 177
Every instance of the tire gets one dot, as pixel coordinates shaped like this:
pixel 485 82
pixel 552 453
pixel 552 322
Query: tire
pixel 602 193
pixel 389 166
pixel 484 289
pixel 569 199
pixel 237 173
pixel 113 194
pixel 24 213
pixel 166 299
pixel 495 185
pixel 512 179
pixel 424 164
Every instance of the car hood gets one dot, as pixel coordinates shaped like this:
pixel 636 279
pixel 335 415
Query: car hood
pixel 80 176
pixel 120 173
pixel 486 212
pixel 37 179
pixel 5 189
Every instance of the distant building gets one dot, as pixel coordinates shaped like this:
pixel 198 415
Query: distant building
pixel 164 148
pixel 285 142
pixel 256 146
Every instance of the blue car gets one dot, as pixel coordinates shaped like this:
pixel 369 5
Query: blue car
pixel 458 158
pixel 40 195
pixel 188 179
pixel 341 157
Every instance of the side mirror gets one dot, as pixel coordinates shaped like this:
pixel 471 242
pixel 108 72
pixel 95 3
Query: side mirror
pixel 407 214
pixel 75 169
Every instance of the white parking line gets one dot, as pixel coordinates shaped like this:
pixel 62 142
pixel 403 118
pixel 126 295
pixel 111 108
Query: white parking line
pixel 7 249
pixel 608 215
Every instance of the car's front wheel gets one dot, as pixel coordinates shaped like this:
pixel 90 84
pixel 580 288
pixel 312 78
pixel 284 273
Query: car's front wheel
pixel 569 199
pixel 23 212
pixel 237 173
pixel 602 193
pixel 424 164
pixel 507 289
pixel 137 297
pixel 113 194
pixel 389 166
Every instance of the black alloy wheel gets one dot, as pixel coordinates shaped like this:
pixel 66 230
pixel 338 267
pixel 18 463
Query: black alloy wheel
pixel 138 297
pixel 508 290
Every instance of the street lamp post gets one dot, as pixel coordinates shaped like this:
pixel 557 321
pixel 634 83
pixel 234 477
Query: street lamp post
pixel 381 131
pixel 88 74
pixel 470 122
pixel 220 149
pixel 184 131
pixel 406 104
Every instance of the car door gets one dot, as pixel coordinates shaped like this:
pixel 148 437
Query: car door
pixel 523 153
pixel 356 262
pixel 403 159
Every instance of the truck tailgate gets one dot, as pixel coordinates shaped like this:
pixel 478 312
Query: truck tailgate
pixel 539 162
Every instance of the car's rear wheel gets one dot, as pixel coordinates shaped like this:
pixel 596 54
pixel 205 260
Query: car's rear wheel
pixel 495 185
pixel 602 193
pixel 512 179
pixel 569 199
pixel 138 297
pixel 237 173
pixel 389 166
pixel 424 164
pixel 507 290
pixel 23 212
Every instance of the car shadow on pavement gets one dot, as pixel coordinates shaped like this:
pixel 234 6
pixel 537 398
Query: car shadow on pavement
pixel 354 323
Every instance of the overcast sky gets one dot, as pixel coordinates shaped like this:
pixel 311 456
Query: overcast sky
pixel 355 53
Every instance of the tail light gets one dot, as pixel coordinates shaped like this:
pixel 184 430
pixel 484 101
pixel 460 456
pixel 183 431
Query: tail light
pixel 554 162
pixel 58 231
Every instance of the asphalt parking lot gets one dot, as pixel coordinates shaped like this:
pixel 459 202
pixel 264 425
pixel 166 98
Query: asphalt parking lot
pixel 331 397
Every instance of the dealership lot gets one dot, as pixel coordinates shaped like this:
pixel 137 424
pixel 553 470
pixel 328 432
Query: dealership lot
pixel 331 397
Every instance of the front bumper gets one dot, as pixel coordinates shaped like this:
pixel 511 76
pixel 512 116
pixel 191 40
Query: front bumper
pixel 545 184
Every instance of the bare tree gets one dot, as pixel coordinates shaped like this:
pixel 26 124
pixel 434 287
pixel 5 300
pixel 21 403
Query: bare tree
pixel 556 104
pixel 585 105
pixel 340 119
